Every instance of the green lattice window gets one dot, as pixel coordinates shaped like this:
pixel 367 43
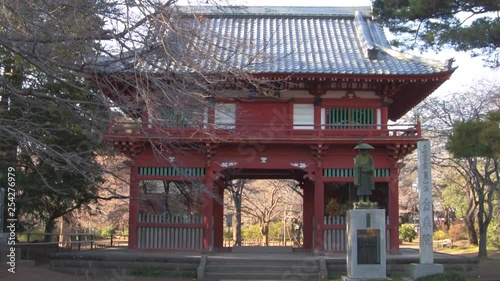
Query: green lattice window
pixel 168 117
pixel 348 173
pixel 348 118
pixel 171 171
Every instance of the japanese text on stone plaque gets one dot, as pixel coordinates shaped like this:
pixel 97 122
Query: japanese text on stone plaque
pixel 425 201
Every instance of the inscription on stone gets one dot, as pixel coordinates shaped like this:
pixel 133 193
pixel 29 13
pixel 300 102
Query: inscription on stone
pixel 368 246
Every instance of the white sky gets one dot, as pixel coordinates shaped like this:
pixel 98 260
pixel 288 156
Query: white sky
pixel 470 70
pixel 305 3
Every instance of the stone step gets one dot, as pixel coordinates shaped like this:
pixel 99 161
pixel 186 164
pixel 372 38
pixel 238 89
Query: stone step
pixel 259 268
pixel 262 249
pixel 263 276
pixel 265 261
pixel 263 267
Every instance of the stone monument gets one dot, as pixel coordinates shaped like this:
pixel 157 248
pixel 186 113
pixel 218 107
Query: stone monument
pixel 366 250
pixel 426 266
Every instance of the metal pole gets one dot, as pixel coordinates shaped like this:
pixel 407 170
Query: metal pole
pixel 284 227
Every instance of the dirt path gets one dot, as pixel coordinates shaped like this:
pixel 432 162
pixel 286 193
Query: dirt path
pixel 489 269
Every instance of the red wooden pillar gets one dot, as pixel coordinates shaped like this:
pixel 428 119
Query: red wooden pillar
pixel 308 213
pixel 385 117
pixel 145 119
pixel 133 207
pixel 218 205
pixel 394 211
pixel 319 202
pixel 317 117
pixel 208 211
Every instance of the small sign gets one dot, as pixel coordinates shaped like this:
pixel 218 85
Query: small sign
pixel 368 246
pixel 229 220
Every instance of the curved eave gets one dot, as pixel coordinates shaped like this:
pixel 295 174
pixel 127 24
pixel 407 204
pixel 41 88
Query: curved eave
pixel 443 75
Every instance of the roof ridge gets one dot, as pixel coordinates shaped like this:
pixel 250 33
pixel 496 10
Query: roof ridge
pixel 364 37
pixel 331 11
pixel 445 65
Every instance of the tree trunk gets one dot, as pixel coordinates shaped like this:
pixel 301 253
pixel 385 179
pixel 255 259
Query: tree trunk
pixel 64 240
pixel 237 225
pixel 264 230
pixel 50 224
pixel 470 218
pixel 471 231
pixel 166 189
pixel 484 219
pixel 482 253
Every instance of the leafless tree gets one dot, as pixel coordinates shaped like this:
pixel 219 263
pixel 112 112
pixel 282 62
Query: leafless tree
pixel 262 201
pixel 438 118
pixel 142 56
pixel 236 190
pixel 109 59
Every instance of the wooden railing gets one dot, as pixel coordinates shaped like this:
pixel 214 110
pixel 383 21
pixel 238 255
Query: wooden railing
pixel 39 245
pixel 263 132
pixel 170 232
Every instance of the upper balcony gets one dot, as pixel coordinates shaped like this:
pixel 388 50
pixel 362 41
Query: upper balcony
pixel 265 133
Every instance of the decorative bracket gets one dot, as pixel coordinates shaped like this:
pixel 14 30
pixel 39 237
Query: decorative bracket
pixel 318 151
pixel 210 151
pixel 129 148
pixel 399 150
pixel 386 91
pixel 318 89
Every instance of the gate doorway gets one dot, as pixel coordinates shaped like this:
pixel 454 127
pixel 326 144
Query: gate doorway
pixel 260 212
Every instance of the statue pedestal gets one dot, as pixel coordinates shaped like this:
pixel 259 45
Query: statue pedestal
pixel 366 246
pixel 419 270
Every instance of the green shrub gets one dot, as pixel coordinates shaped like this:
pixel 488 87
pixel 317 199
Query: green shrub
pixel 251 232
pixel 107 232
pixel 458 232
pixel 446 276
pixel 440 235
pixel 494 236
pixel 407 232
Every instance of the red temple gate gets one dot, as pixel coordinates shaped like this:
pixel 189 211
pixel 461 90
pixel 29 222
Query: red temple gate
pixel 339 87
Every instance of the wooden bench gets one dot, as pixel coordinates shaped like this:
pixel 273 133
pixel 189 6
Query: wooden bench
pixel 446 243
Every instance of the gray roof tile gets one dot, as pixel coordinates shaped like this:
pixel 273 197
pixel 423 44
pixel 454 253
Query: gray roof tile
pixel 301 40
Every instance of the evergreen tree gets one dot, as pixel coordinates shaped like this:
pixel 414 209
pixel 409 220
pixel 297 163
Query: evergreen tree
pixel 475 142
pixel 472 25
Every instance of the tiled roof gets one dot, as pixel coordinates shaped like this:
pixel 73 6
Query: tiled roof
pixel 294 40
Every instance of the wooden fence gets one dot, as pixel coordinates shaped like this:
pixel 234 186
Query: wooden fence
pixel 38 246
pixel 335 234
pixel 170 232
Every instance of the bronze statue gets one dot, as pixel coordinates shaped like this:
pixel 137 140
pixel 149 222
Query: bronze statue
pixel 364 172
